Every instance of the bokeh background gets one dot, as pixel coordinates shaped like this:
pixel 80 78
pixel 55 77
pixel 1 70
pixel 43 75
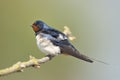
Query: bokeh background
pixel 95 23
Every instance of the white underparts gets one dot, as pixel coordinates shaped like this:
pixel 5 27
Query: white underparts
pixel 46 46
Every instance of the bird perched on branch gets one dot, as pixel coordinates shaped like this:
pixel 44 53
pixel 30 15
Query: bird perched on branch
pixel 53 42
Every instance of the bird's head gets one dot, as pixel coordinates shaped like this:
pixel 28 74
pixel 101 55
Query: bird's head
pixel 38 26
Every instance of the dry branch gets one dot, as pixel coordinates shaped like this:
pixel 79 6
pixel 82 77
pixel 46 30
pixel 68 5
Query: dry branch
pixel 33 62
pixel 19 66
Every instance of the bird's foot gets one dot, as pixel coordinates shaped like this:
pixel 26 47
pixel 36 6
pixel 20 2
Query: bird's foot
pixel 50 56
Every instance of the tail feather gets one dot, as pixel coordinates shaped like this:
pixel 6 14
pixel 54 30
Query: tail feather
pixel 70 50
pixel 80 56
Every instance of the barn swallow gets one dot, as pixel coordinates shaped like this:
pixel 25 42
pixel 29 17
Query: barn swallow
pixel 53 42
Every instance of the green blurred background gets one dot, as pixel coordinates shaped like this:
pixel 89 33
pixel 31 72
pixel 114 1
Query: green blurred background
pixel 95 23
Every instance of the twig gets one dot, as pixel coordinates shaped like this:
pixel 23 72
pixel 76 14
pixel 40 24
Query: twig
pixel 32 62
pixel 19 66
pixel 68 33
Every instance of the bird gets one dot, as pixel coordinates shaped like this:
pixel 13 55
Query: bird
pixel 53 42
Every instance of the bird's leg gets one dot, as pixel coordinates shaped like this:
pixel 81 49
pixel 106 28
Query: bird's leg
pixel 50 56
